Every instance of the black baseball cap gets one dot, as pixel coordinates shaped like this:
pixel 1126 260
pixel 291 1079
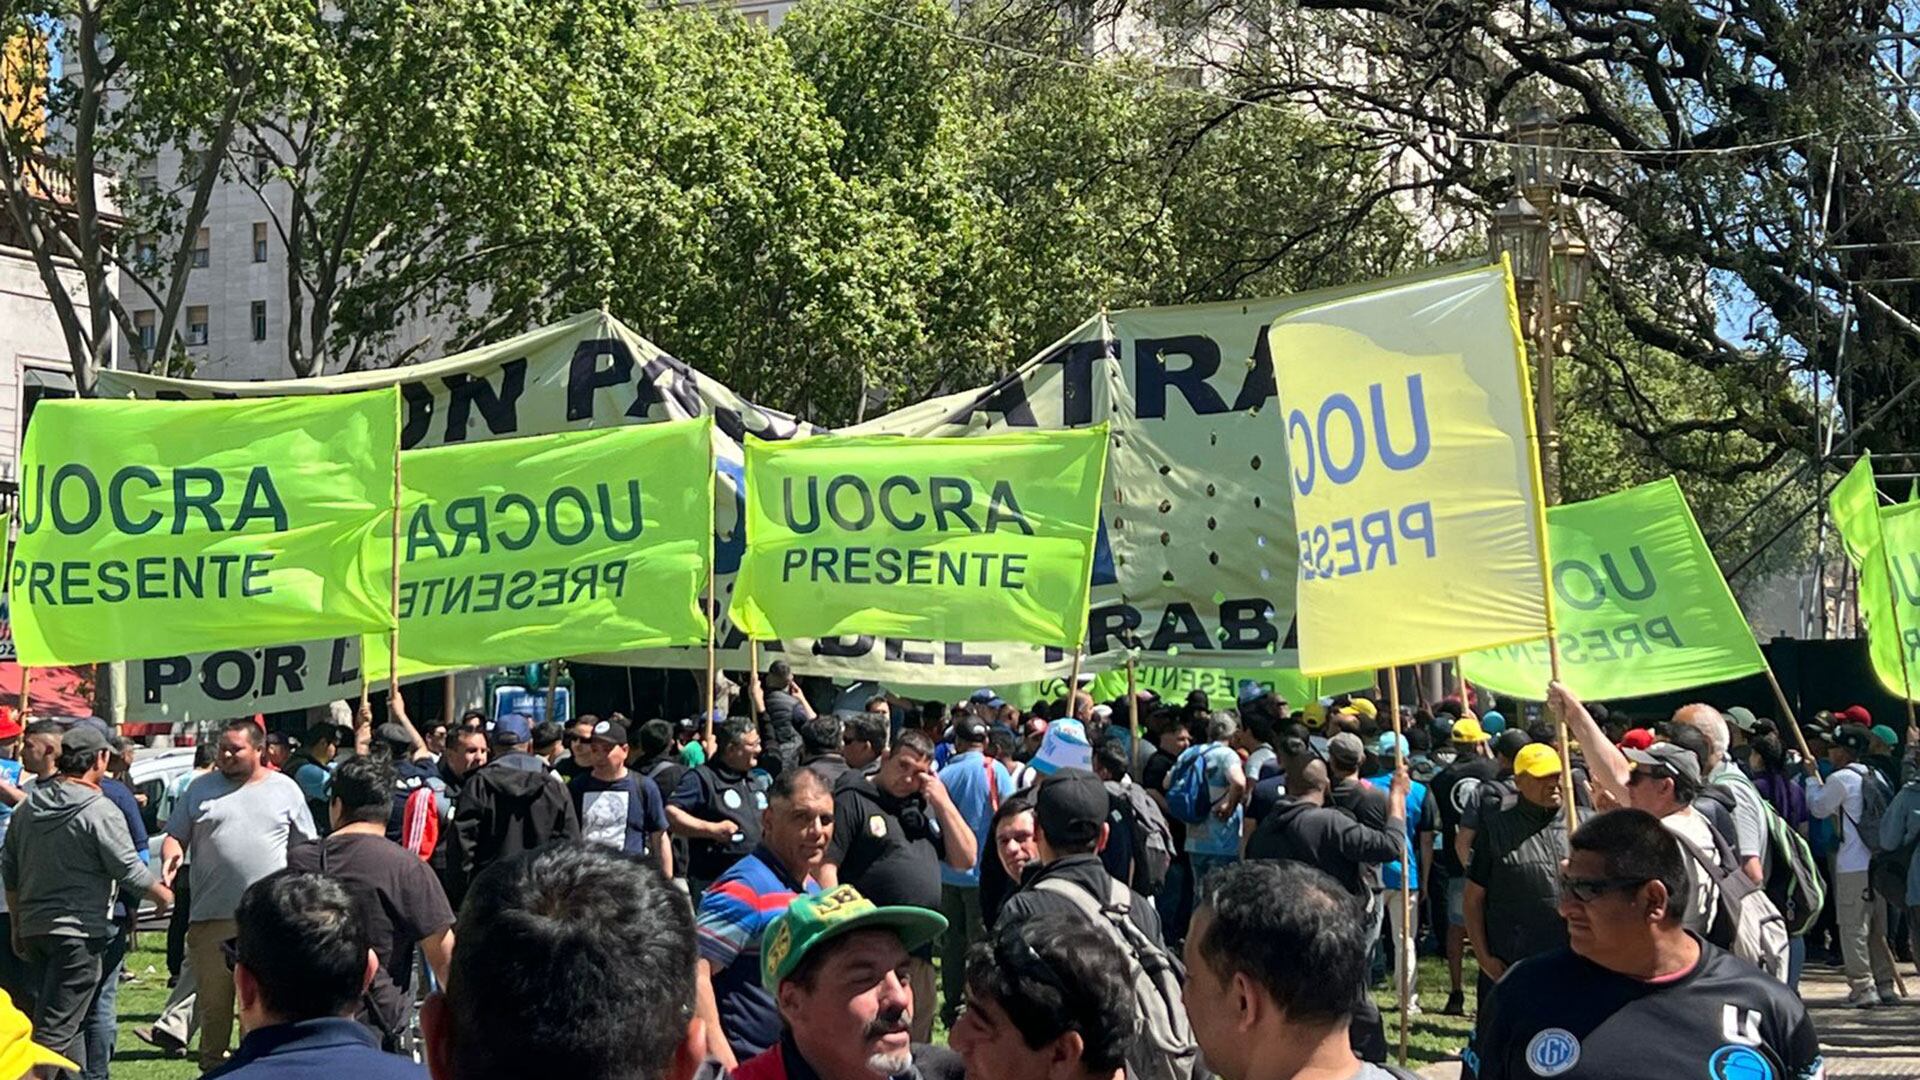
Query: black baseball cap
pixel 971 730
pixel 1070 806
pixel 394 734
pixel 610 731
pixel 1510 742
pixel 1854 737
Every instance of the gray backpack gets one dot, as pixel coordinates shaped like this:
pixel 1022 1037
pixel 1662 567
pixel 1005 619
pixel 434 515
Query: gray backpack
pixel 1165 1048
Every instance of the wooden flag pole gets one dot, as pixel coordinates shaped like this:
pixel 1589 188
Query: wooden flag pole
pixel 713 630
pixel 393 635
pixel 1401 957
pixel 1793 723
pixel 753 675
pixel 26 700
pixel 1073 685
pixel 1566 741
pixel 1133 704
pixel 706 711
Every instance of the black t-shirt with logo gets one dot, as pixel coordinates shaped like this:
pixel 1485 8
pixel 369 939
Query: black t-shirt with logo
pixel 713 792
pixel 399 901
pixel 886 846
pixel 1455 789
pixel 1561 1015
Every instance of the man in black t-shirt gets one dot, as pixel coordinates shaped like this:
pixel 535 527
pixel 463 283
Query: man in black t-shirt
pixel 1168 729
pixel 1634 994
pixel 890 835
pixel 398 897
pixel 654 747
pixel 717 805
pixel 619 809
pixel 1453 790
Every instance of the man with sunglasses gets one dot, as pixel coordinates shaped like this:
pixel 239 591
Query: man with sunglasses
pixel 1047 999
pixel 1636 993
pixel 1664 779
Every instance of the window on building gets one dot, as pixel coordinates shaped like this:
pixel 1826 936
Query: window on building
pixel 202 248
pixel 259 241
pixel 145 326
pixel 259 320
pixel 197 326
pixel 146 252
pixel 261 167
pixel 756 18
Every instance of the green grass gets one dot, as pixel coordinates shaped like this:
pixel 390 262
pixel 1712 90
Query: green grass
pixel 1431 1037
pixel 141 1001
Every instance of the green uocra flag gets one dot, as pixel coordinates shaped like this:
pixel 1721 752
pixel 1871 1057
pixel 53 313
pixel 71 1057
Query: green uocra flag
pixel 554 545
pixel 1641 605
pixel 151 527
pixel 981 539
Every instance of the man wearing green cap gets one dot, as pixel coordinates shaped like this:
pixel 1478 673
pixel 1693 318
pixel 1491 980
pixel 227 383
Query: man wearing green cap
pixel 837 965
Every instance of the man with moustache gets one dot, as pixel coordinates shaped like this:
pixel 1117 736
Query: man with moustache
pixel 837 966
pixel 739 1014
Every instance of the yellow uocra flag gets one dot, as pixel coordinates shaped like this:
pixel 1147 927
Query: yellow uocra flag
pixel 1415 475
pixel 158 526
pixel 982 539
pixel 522 549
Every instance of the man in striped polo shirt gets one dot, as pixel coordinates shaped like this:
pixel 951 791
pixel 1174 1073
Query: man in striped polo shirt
pixel 740 1016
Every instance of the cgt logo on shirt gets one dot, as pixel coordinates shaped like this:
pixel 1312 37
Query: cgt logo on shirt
pixel 1553 1052
pixel 1739 1063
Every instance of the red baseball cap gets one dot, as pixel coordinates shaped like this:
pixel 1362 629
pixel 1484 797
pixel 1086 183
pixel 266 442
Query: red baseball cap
pixel 1637 739
pixel 1856 714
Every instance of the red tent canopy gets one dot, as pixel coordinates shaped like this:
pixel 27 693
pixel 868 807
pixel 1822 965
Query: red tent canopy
pixel 57 691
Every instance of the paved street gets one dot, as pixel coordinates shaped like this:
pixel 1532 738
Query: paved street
pixel 1876 1042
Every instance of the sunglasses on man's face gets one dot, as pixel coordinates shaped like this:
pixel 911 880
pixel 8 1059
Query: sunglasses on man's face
pixel 1587 890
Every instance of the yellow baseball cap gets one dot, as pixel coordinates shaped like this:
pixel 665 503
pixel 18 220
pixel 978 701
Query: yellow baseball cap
pixel 1314 716
pixel 1536 760
pixel 19 1054
pixel 1468 730
pixel 1364 707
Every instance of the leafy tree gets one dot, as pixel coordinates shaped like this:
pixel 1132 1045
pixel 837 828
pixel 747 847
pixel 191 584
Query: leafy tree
pixel 104 79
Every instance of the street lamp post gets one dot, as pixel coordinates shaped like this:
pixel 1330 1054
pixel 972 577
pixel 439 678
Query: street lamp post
pixel 1550 267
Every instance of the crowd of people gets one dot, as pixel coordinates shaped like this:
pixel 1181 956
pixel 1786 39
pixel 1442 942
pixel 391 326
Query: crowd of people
pixel 1157 890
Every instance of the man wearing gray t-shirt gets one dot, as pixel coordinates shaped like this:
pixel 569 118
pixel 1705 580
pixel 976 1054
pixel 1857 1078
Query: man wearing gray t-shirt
pixel 237 821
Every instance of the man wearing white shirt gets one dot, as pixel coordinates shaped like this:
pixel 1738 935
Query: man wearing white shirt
pixel 1861 917
pixel 1663 780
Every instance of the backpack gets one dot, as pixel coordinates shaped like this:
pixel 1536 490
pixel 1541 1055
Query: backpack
pixel 1875 797
pixel 1794 882
pixel 1893 858
pixel 1152 837
pixel 321 809
pixel 1187 797
pixel 1746 924
pixel 1165 1048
